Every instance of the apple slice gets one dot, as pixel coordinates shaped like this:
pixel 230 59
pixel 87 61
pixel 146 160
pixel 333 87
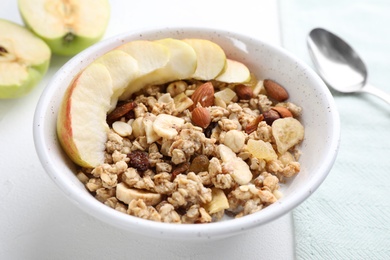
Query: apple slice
pixel 24 60
pixel 211 58
pixel 123 69
pixel 235 72
pixel 150 56
pixel 81 124
pixel 182 61
pixel 69 26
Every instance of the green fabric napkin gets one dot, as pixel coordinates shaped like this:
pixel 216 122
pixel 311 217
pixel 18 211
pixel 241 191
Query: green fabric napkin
pixel 348 217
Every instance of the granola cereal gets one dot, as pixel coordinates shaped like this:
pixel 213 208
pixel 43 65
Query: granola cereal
pixel 194 174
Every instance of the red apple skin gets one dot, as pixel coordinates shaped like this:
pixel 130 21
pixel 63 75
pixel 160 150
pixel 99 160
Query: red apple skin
pixel 64 127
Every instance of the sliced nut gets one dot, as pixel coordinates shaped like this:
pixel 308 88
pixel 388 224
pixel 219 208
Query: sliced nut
pixel 177 87
pixel 283 112
pixel 138 127
pixel 122 128
pixel 203 95
pixel 252 126
pixel 201 117
pixel 182 102
pixel 244 92
pixel 275 91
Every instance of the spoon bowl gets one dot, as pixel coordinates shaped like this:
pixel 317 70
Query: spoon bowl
pixel 339 65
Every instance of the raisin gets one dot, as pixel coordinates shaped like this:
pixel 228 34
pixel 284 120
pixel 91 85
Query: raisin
pixel 181 168
pixel 208 131
pixel 139 160
pixel 199 164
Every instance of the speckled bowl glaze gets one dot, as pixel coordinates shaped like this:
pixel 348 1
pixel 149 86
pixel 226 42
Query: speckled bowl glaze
pixel 319 148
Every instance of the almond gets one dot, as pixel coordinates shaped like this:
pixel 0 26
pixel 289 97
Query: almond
pixel 283 112
pixel 201 117
pixel 204 95
pixel 275 91
pixel 244 92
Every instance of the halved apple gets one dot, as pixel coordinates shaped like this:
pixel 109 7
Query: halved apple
pixel 211 58
pixel 235 72
pixel 81 124
pixel 123 69
pixel 68 27
pixel 24 60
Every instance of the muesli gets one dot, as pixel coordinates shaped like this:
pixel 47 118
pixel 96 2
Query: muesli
pixel 193 151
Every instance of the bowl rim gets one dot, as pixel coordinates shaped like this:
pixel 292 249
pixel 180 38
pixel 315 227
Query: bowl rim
pixel 167 230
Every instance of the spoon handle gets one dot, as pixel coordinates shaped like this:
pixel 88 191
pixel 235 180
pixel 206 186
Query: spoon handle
pixel 368 88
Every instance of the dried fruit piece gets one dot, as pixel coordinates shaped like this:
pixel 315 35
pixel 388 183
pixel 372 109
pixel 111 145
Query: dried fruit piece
pixel 204 95
pixel 244 92
pixel 235 140
pixel 218 202
pixel 120 111
pixel 139 160
pixel 270 116
pixel 199 164
pixel 238 169
pixel 225 94
pixel 150 133
pixel 167 126
pixel 138 127
pixel 126 195
pixel 275 91
pixel 200 116
pixel 181 168
pixel 287 132
pixel 261 150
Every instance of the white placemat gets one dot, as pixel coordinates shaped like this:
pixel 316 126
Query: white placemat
pixel 38 222
pixel 348 217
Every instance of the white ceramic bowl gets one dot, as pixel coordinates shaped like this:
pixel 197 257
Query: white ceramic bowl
pixel 319 149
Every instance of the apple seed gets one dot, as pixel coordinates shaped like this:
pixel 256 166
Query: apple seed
pixel 68 38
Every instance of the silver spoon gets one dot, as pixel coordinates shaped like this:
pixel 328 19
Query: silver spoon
pixel 339 65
